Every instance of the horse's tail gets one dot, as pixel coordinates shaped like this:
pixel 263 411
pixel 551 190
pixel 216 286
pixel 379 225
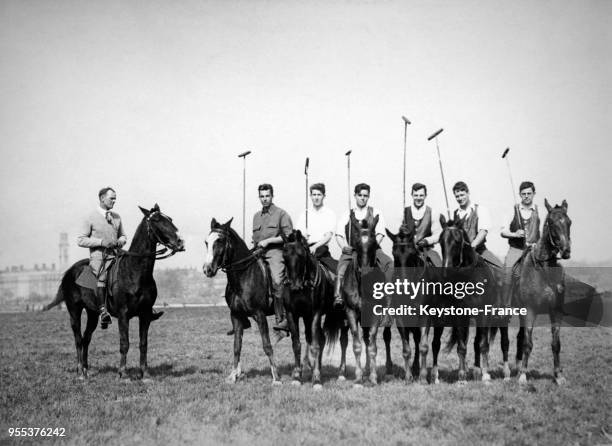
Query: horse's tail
pixel 452 340
pixel 61 292
pixel 332 326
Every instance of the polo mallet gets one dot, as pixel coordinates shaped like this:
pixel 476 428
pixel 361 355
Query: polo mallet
pixel 348 167
pixel 435 135
pixel 243 155
pixel 306 203
pixel 505 156
pixel 406 122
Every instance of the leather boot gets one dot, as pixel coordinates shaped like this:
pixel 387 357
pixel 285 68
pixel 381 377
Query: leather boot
pixel 338 300
pixel 105 317
pixel 279 310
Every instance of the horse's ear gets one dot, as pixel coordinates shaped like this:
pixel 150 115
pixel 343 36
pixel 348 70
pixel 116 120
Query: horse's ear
pixel 298 235
pixel 228 223
pixel 443 221
pixel 284 237
pixel 564 205
pixel 376 221
pixel 213 223
pixel 155 208
pixel 146 212
pixel 547 204
pixel 391 235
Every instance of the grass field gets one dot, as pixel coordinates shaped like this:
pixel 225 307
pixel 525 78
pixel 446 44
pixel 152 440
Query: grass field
pixel 188 401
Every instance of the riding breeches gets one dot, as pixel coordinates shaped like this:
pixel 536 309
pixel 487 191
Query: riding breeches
pixel 513 256
pixel 383 261
pixel 100 266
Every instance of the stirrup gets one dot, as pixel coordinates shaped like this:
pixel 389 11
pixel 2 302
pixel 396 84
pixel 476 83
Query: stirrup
pixel 281 326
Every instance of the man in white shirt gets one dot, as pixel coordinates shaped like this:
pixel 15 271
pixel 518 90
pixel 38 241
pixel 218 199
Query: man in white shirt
pixel 476 222
pixel 361 211
pixel 426 224
pixel 522 230
pixel 321 226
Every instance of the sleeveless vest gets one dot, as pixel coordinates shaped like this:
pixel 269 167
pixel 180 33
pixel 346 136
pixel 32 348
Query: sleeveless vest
pixel 470 224
pixel 422 227
pixel 531 226
pixel 369 218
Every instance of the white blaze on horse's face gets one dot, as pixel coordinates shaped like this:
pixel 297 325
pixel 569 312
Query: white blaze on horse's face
pixel 210 244
pixel 364 240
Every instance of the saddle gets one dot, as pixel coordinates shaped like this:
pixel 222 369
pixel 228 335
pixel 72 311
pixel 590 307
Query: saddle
pixel 88 278
pixel 265 270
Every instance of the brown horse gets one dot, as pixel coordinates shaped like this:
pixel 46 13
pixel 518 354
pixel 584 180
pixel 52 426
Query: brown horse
pixel 131 295
pixel 463 264
pixel 246 292
pixel 541 287
pixel 310 297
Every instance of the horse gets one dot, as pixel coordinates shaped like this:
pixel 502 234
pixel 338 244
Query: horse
pixel 132 294
pixel 310 297
pixel 411 264
pixel 364 240
pixel 541 287
pixel 247 289
pixel 462 263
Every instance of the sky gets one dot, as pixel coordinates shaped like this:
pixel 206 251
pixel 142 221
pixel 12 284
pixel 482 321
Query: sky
pixel 158 98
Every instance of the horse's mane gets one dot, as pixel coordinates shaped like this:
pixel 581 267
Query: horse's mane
pixel 242 246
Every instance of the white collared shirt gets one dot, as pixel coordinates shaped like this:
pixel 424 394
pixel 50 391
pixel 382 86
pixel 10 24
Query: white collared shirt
pixel 526 212
pixel 360 214
pixel 484 218
pixel 320 222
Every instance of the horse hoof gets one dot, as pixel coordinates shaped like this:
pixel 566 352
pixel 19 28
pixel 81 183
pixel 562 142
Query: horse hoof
pixel 436 381
pixel 522 379
pixel 147 380
pixel 277 382
pixel 341 378
pixel 506 379
pixel 317 387
pixel 357 386
pixel 81 377
pixel 486 377
pixel 462 382
pixel 560 381
pixel 296 383
pixel 231 379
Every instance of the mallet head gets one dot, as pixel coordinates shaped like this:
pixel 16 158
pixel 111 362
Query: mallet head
pixel 406 120
pixel 306 165
pixel 505 152
pixel 244 154
pixel 435 134
pixel 348 153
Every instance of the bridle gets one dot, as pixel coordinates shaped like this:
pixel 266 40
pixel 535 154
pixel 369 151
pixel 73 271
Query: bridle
pixel 160 254
pixel 238 265
pixel 307 279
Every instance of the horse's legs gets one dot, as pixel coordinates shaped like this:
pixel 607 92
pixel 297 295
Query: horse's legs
pixel 555 320
pixel 403 332
pixel 477 353
pixel 75 324
pixel 92 323
pixel 435 349
pixel 423 350
pixel 416 362
pixel 484 351
pixel 372 350
pixel 505 347
pixel 318 340
pixel 124 342
pixel 343 346
pixel 294 329
pixel 527 344
pixel 262 323
pixel 143 327
pixel 238 331
pixel 520 339
pixel 463 334
pixel 387 339
pixel 352 320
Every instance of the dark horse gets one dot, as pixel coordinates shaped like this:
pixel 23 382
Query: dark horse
pixel 411 265
pixel 541 287
pixel 131 295
pixel 247 289
pixel 310 297
pixel 462 264
pixel 363 238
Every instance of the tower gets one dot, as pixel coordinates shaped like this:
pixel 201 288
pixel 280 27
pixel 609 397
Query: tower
pixel 63 251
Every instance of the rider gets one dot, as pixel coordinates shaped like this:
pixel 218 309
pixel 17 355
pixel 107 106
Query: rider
pixel 321 226
pixel 426 224
pixel 360 211
pixel 268 224
pixel 102 231
pixel 476 222
pixel 522 232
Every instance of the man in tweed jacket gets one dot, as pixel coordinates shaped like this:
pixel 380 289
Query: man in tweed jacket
pixel 102 231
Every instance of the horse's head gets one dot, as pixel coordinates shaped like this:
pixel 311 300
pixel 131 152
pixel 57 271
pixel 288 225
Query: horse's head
pixel 160 229
pixel 557 229
pixel 454 243
pixel 405 252
pixel 295 256
pixel 219 247
pixel 364 240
